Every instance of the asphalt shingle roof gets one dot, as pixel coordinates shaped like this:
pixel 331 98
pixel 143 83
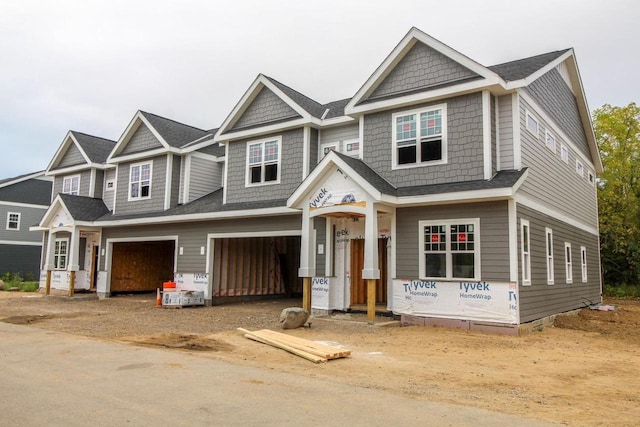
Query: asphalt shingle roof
pixel 521 68
pixel 83 208
pixel 312 107
pixel 175 133
pixel 33 191
pixel 96 148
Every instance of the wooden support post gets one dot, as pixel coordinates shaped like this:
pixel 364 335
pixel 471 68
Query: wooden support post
pixel 306 293
pixel 72 283
pixel 371 300
pixel 47 286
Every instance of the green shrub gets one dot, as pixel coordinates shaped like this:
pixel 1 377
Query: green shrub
pixel 29 286
pixel 622 291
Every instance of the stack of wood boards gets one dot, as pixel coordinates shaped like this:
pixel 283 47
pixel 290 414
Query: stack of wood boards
pixel 306 349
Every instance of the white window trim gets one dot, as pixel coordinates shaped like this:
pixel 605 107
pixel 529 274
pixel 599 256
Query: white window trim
pixel 71 178
pixel 583 263
pixel 66 256
pixel 592 178
pixel 351 141
pixel 321 154
pixel 549 256
pixel 131 166
pixel 9 221
pixel 247 175
pixel 579 168
pixel 394 137
pixel 535 132
pixel 548 134
pixel 447 223
pixel 526 262
pixel 565 148
pixel 568 262
pixel 106 185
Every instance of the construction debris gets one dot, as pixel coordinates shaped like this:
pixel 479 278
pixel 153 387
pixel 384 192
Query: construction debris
pixel 310 350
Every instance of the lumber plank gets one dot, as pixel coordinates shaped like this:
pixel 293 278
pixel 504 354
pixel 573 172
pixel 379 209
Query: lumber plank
pixel 265 340
pixel 323 350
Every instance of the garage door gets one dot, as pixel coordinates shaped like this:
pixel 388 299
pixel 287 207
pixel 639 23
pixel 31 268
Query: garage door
pixel 141 266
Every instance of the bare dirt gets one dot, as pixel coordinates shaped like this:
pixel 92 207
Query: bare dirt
pixel 583 371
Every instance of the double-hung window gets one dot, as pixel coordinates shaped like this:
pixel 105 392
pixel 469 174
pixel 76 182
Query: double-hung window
pixel 568 262
pixel 549 251
pixel 526 252
pixel 71 185
pixel 60 250
pixel 583 260
pixel 13 220
pixel 550 141
pixel 420 137
pixel 140 181
pixel 450 249
pixel 564 153
pixel 263 161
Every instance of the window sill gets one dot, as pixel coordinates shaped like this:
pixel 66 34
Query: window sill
pixel 261 184
pixel 137 199
pixel 419 165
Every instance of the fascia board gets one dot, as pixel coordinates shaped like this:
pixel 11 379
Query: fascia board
pixel 455 197
pixel 145 154
pixel 250 133
pixel 336 121
pixel 79 147
pixel 68 170
pixel 62 148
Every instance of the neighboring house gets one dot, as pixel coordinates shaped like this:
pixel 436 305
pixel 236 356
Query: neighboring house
pixel 446 191
pixel 23 201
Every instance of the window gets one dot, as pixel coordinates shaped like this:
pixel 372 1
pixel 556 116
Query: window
pixel 140 181
pixel 567 260
pixel 71 185
pixel 551 141
pixel 549 234
pixel 583 261
pixel 13 220
pixel 329 146
pixel 526 252
pixel 579 168
pixel 532 124
pixel 60 254
pixel 351 148
pixel 419 137
pixel 592 178
pixel 564 153
pixel 263 159
pixel 450 249
pixel 109 185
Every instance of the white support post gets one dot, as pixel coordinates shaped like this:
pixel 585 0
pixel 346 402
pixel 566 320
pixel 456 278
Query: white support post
pixel 74 250
pixel 307 253
pixel 50 248
pixel 371 270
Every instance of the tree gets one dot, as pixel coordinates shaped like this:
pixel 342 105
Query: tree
pixel 617 132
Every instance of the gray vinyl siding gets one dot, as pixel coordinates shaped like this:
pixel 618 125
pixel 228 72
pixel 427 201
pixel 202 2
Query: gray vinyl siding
pixel 494 144
pixel 266 107
pixel 553 95
pixel 110 175
pixel 142 140
pixel 175 181
pixel 340 133
pixel 464 145
pixel 85 181
pixel 320 226
pixel 494 236
pixel 550 180
pixel 193 235
pixel 540 299
pixel 421 67
pixel 505 132
pixel 206 176
pixel 313 148
pixel 155 202
pixel 28 217
pixel 20 259
pixel 291 153
pixel 72 157
pixel 98 184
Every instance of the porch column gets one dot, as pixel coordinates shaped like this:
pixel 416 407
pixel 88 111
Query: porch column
pixel 307 258
pixel 371 271
pixel 74 244
pixel 47 261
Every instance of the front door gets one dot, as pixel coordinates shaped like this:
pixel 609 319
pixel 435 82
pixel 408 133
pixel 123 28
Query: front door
pixel 94 267
pixel 358 284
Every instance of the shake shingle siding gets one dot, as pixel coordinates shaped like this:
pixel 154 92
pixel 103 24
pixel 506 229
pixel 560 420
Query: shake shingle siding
pixel 557 100
pixel 505 131
pixel 553 182
pixel 265 108
pixel 155 202
pixel 72 157
pixel 421 67
pixel 540 299
pixel 85 181
pixel 494 238
pixel 290 170
pixel 464 145
pixel 142 140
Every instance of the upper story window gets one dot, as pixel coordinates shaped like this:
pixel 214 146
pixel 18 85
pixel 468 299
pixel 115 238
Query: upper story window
pixel 349 147
pixel 550 141
pixel 13 220
pixel 532 124
pixel 450 249
pixel 60 250
pixel 109 185
pixel 263 161
pixel 140 181
pixel 564 153
pixel 420 137
pixel 579 168
pixel 71 185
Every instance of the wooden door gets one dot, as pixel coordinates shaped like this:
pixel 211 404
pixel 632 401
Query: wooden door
pixel 141 266
pixel 358 284
pixel 94 267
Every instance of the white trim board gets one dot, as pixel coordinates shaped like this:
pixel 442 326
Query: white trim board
pixel 525 201
pixel 19 243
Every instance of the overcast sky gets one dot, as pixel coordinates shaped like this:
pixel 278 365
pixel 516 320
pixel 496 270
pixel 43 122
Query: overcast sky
pixel 90 65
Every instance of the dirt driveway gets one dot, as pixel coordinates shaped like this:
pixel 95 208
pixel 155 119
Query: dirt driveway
pixel 585 371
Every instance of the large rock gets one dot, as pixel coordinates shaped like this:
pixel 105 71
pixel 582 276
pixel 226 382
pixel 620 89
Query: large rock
pixel 293 317
pixel 2 285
